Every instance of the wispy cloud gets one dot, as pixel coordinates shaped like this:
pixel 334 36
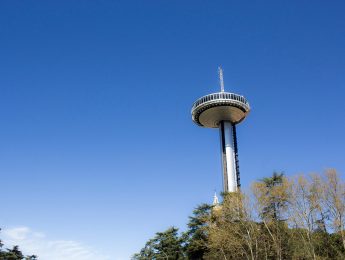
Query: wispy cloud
pixel 31 242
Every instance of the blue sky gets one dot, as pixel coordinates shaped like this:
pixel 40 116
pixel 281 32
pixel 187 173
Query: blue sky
pixel 97 147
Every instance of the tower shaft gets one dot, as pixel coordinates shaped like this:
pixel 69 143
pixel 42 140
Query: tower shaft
pixel 229 156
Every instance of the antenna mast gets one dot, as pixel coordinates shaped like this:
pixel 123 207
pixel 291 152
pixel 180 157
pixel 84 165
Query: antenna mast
pixel 221 80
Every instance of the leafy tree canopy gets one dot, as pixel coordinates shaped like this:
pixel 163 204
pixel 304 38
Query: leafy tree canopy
pixel 301 217
pixel 14 254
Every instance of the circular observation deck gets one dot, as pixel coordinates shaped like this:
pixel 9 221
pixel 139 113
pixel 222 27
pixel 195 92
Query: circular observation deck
pixel 209 110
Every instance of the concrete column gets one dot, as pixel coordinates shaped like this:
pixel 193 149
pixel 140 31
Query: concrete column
pixel 228 156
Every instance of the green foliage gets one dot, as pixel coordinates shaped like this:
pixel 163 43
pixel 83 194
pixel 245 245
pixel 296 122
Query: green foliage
pixel 297 218
pixel 165 245
pixel 196 236
pixel 272 209
pixel 14 254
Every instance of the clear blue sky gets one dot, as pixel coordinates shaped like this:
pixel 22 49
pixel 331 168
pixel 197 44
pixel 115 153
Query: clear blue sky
pixel 97 145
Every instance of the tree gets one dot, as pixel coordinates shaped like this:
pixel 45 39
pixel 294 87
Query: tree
pixel 14 254
pixel 305 214
pixel 274 196
pixel 316 206
pixel 196 237
pixel 165 245
pixel 280 218
pixel 232 232
pixel 271 200
pixel 334 198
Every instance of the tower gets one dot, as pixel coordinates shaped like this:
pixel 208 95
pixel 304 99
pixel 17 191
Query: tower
pixel 223 110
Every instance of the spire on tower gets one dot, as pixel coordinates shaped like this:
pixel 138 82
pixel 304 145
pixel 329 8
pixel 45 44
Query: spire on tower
pixel 221 79
pixel 215 199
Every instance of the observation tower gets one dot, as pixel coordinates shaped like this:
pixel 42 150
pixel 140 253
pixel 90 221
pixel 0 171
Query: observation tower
pixel 223 110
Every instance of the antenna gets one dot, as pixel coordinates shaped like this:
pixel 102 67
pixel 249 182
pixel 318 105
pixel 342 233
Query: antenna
pixel 221 79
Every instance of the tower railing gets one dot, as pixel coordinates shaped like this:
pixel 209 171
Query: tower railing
pixel 221 96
